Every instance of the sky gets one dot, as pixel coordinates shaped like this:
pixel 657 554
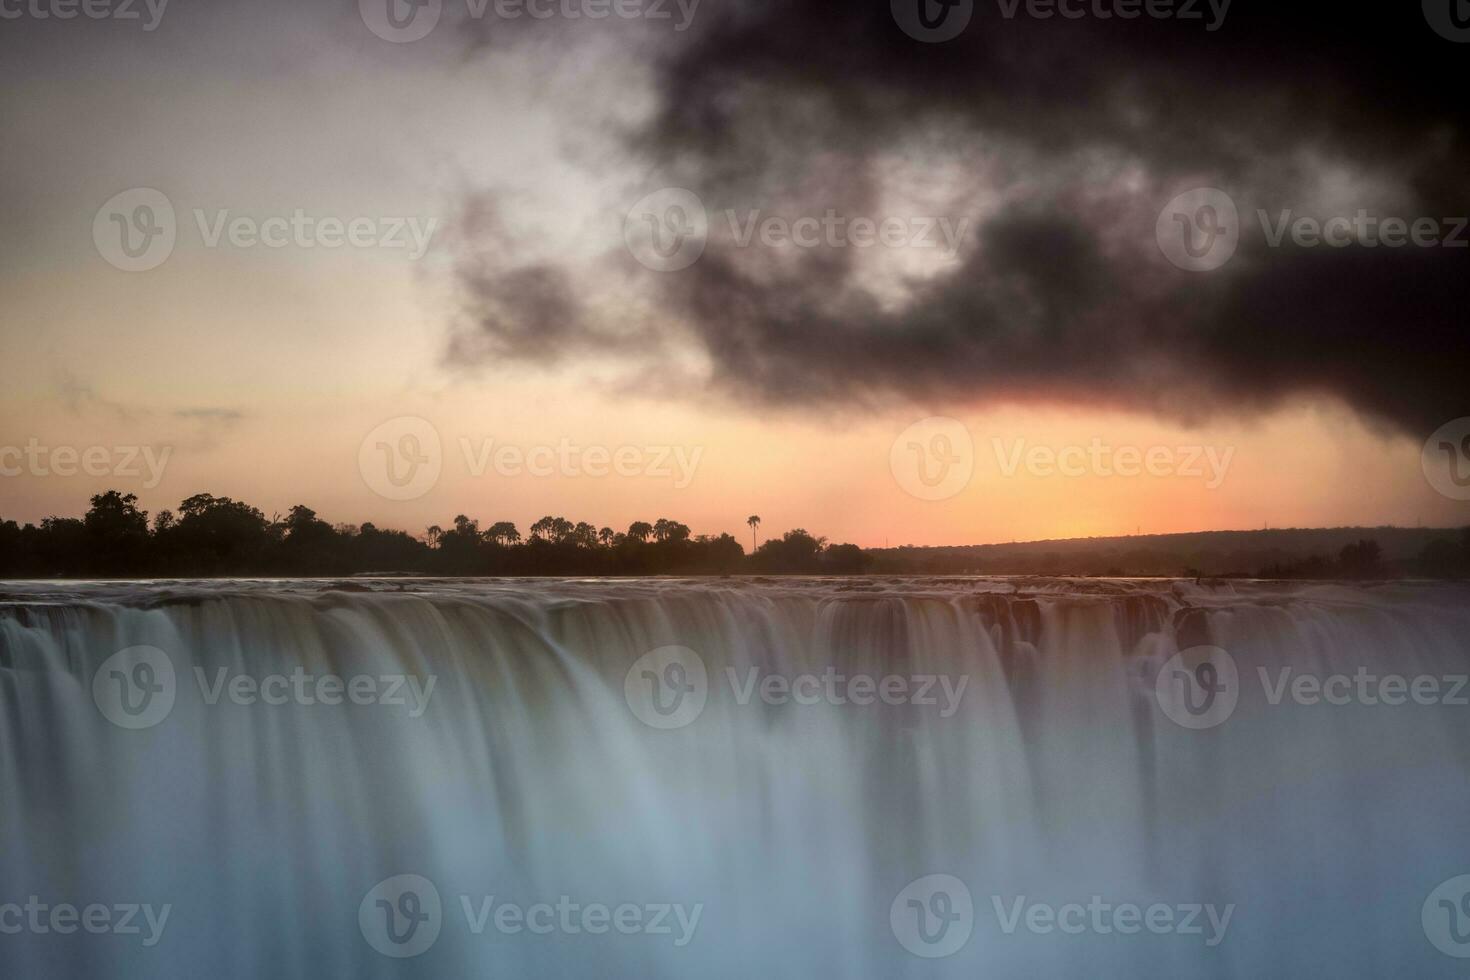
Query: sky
pixel 1050 276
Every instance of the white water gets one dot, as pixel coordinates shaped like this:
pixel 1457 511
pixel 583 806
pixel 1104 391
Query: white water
pixel 793 826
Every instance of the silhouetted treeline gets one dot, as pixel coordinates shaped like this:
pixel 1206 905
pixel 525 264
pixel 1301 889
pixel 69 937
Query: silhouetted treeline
pixel 1325 553
pixel 216 536
pixel 1440 558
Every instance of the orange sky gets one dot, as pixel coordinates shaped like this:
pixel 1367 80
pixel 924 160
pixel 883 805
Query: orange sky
pixel 262 370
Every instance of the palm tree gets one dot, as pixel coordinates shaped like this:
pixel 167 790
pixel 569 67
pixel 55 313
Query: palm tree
pixel 754 521
pixel 606 536
pixel 503 533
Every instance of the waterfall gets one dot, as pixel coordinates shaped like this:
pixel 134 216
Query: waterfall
pixel 733 778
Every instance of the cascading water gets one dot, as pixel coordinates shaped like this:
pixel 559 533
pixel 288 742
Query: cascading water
pixel 730 778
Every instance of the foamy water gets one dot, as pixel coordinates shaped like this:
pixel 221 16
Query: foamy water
pixel 734 778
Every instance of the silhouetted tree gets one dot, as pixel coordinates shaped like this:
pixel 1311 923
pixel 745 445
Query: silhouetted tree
pixel 795 551
pixel 844 559
pixel 1363 559
pixel 1445 558
pixel 1440 558
pixel 217 535
pixel 503 533
pixel 12 558
pixel 666 530
pixel 303 527
pixel 312 544
pixel 61 547
pixel 459 548
pixel 117 534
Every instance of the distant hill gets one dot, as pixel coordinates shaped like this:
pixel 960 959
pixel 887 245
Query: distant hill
pixel 1205 552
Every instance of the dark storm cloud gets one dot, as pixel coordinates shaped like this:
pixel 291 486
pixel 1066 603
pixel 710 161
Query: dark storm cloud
pixel 517 310
pixel 529 313
pixel 1081 130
